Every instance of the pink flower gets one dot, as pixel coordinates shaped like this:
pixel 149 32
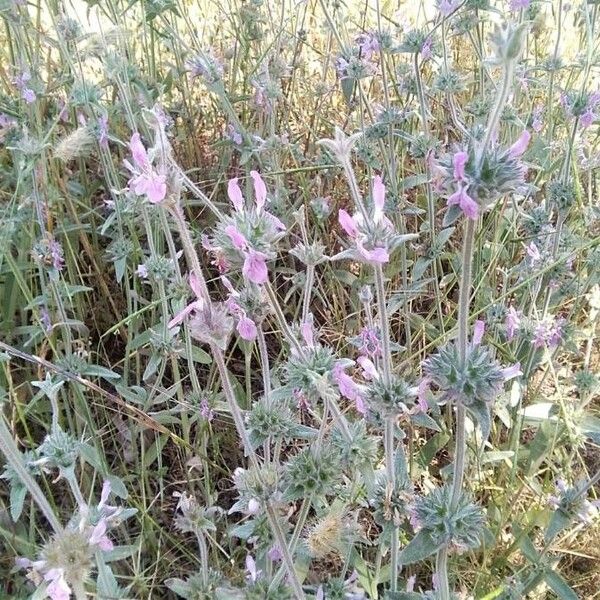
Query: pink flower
pixel 512 322
pixel 150 184
pixel 255 267
pixel 533 253
pixel 478 331
pixel 99 537
pixel 247 329
pixel 378 198
pixel 277 223
pixel 253 574
pixel 348 388
pixel 369 370
pixel 520 145
pixel 235 194
pixel 260 190
pixel 195 305
pixel 469 207
pixel 512 372
pixel 375 256
pixel 237 238
pixel 459 160
pixel 347 223
pixel 422 390
pixel 146 181
pixel 58 589
pixel 138 152
pixel 307 331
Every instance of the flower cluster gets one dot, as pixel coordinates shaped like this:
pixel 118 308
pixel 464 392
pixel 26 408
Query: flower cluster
pixel 473 185
pixel 459 527
pixel 246 239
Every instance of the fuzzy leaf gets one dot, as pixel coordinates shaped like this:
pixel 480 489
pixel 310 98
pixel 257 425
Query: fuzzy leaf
pixel 419 548
pixel 481 412
pixel 558 521
pixel 559 586
pixel 18 493
pixel 590 426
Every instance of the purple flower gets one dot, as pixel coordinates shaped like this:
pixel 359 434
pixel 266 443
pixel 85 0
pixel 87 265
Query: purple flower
pixel 548 333
pixel 538 123
pixel 205 409
pixel 378 198
pixel 308 332
pixel 20 82
pixel 56 252
pixel 142 272
pixel 533 253
pixel 519 4
pixel 469 207
pixel 426 48
pixel 370 344
pixel 275 553
pixel 28 95
pixel 422 390
pixel 447 7
pixel 459 161
pixel 234 135
pixel 255 267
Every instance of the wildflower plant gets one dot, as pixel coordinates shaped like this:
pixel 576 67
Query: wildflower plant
pixel 303 305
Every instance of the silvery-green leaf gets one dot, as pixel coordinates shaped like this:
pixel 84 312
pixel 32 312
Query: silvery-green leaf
pixel 419 548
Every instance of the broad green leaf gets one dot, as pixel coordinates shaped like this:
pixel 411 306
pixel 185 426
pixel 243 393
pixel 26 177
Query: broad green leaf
pixel 419 548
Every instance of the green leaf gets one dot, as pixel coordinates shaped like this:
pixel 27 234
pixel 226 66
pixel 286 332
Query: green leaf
pixel 590 426
pixel 424 420
pixel 154 450
pixel 558 521
pixel 18 493
pixel 419 548
pixel 452 214
pixel 402 596
pixel 559 586
pixel 481 413
pixel 432 447
pixel 366 577
pixel 98 371
pixel 200 356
